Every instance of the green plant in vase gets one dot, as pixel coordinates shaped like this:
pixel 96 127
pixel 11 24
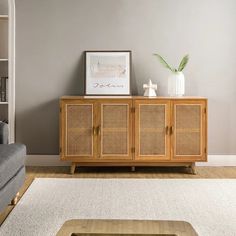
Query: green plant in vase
pixel 176 80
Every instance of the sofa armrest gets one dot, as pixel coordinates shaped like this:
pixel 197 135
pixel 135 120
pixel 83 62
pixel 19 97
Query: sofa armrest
pixel 3 133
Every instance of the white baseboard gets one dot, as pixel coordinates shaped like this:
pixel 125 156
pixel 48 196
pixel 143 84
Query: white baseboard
pixel 219 160
pixel 54 160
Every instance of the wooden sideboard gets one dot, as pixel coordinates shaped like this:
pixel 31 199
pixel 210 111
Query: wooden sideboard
pixel 133 131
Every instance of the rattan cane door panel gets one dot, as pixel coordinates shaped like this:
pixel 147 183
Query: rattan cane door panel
pixel 79 130
pixel 115 132
pixel 189 130
pixel 152 123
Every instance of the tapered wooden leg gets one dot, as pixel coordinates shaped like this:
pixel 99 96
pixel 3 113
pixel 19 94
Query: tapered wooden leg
pixel 193 168
pixel 72 168
pixel 15 199
pixel 132 168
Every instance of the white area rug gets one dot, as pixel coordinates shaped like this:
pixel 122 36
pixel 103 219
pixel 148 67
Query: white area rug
pixel 208 204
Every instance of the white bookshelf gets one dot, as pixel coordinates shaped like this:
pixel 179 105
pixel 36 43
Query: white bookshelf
pixel 4 17
pixel 7 64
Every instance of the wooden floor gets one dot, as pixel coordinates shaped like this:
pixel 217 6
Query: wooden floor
pixel 121 172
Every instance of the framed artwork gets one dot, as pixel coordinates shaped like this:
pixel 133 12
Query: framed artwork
pixel 107 72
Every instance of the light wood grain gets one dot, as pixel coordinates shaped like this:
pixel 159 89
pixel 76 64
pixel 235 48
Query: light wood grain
pixel 202 130
pixel 131 97
pixel 134 158
pixel 118 102
pixel 137 136
pixel 126 227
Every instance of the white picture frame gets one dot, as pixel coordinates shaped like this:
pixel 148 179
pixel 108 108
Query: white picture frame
pixel 107 72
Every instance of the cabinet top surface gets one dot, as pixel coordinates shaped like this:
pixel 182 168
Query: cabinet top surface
pixel 129 97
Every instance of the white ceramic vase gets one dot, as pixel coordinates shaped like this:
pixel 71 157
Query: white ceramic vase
pixel 176 84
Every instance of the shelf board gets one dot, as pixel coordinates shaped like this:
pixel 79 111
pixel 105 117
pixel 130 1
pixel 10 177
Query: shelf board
pixel 3 103
pixel 3 59
pixel 3 17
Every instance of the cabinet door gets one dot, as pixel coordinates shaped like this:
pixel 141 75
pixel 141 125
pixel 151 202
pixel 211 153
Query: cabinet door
pixel 115 131
pixel 77 122
pixel 189 130
pixel 152 122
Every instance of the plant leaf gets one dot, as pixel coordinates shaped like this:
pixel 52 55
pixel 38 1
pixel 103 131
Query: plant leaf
pixel 183 63
pixel 163 62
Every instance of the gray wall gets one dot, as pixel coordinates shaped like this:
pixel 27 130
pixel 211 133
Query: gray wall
pixel 3 7
pixel 51 36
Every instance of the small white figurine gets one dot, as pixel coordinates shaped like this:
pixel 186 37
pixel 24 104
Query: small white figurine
pixel 150 89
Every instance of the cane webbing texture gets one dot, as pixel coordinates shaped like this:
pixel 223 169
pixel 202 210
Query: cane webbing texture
pixel 152 129
pixel 152 144
pixel 188 129
pixel 79 130
pixel 115 143
pixel 115 129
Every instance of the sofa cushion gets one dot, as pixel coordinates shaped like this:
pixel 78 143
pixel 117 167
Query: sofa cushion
pixel 8 192
pixel 12 158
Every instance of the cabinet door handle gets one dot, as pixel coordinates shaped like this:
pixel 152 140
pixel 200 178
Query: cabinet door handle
pixel 167 130
pixel 94 130
pixel 171 130
pixel 98 130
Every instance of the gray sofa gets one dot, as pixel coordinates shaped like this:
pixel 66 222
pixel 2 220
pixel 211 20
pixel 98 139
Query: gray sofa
pixel 12 167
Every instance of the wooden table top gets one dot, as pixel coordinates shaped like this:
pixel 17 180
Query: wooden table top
pixel 126 227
